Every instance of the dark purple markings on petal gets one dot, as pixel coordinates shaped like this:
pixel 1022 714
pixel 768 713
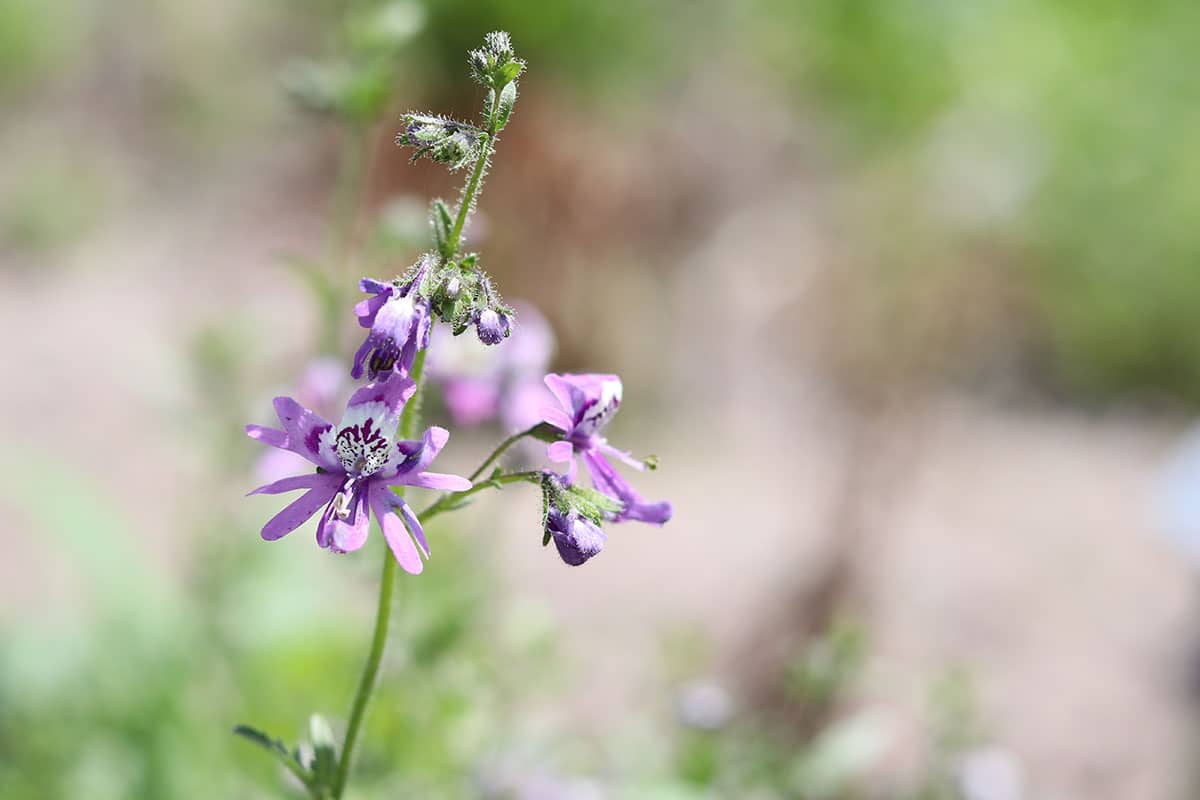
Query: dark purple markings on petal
pixel 304 430
pixel 362 448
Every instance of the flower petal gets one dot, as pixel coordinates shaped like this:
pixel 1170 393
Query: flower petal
pixel 622 455
pixel 295 514
pixel 410 457
pixel 560 452
pixel 382 501
pixel 349 534
pixel 309 481
pixel 366 310
pixel 304 430
pixel 438 480
pixel 381 402
pixel 414 525
pixel 268 436
pixel 558 418
pixel 607 481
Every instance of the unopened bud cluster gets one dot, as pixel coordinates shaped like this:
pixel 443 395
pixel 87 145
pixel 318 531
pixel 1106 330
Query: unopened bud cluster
pixel 440 139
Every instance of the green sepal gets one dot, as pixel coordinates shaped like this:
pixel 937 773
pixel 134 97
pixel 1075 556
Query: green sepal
pixel 592 505
pixel 546 432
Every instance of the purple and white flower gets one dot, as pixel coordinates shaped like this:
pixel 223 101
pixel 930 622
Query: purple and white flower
pixel 399 319
pixel 358 461
pixel 587 403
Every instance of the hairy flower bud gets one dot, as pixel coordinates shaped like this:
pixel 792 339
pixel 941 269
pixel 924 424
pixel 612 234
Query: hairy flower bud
pixel 443 140
pixel 576 538
pixel 492 327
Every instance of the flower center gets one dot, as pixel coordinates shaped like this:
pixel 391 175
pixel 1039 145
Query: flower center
pixel 362 449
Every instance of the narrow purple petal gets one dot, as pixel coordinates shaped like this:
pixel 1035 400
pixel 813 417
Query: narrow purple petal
pixel 295 514
pixel 607 481
pixel 382 501
pixel 622 455
pixel 414 525
pixel 372 286
pixel 309 481
pixel 438 480
pixel 360 357
pixel 268 436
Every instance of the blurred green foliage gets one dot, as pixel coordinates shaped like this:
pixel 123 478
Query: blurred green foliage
pixel 1082 116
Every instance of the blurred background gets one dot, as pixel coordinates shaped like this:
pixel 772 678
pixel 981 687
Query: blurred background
pixel 904 296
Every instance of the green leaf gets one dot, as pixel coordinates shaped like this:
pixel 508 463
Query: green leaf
pixel 442 225
pixel 277 748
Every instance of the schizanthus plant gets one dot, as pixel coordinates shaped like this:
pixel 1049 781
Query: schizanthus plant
pixel 362 465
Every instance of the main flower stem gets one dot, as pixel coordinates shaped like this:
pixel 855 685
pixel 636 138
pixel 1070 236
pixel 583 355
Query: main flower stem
pixel 472 189
pixel 409 422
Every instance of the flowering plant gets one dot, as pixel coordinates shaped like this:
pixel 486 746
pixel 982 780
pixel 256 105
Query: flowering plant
pixel 363 464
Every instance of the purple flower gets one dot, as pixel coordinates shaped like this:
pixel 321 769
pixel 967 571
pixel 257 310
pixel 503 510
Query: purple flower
pixel 587 403
pixel 480 384
pixel 357 462
pixel 492 327
pixel 576 538
pixel 399 319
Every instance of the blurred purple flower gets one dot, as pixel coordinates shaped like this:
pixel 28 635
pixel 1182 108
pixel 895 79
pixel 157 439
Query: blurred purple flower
pixel 320 388
pixel 399 320
pixel 357 463
pixel 587 403
pixel 480 384
pixel 576 538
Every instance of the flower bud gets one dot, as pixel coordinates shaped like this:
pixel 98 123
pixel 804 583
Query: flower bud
pixel 576 538
pixel 492 327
